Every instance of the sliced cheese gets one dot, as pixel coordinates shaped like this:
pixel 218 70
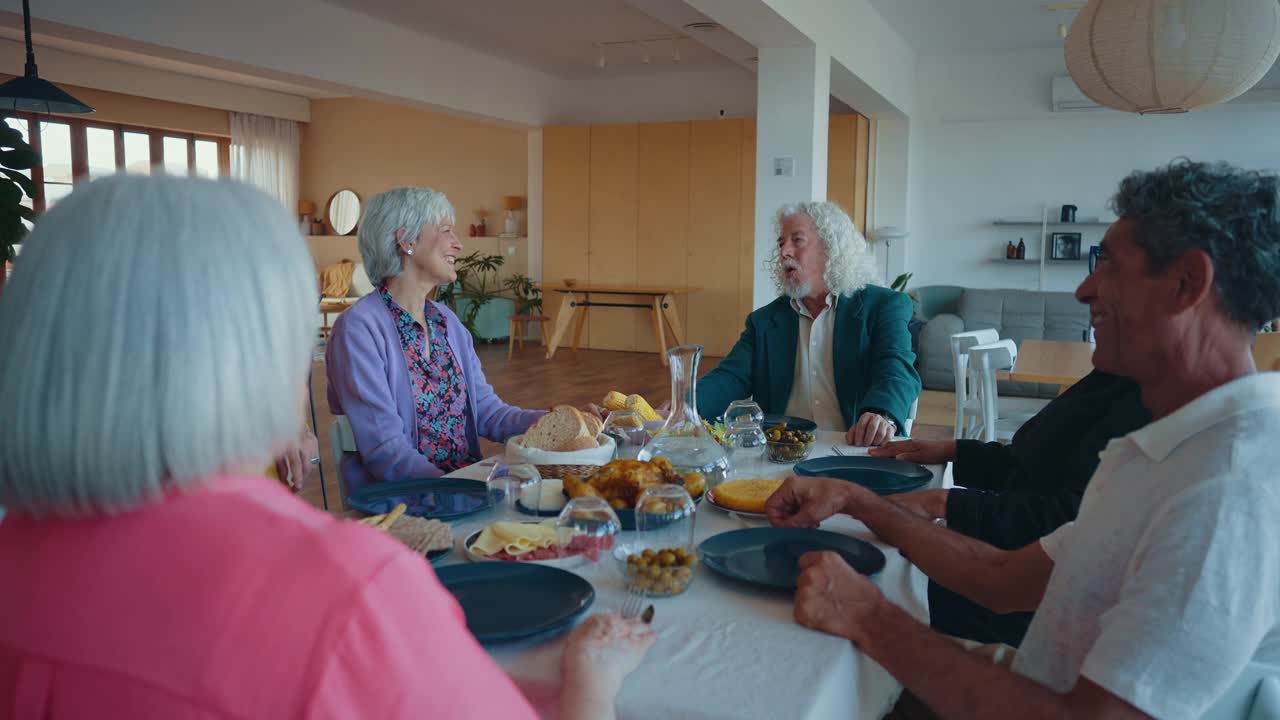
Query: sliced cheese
pixel 514 537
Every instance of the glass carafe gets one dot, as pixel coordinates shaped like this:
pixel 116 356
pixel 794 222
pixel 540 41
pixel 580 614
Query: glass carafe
pixel 683 439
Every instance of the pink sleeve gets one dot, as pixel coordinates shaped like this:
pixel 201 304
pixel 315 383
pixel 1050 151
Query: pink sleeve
pixel 405 652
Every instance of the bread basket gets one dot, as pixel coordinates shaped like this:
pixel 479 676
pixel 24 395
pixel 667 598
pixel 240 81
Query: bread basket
pixel 599 455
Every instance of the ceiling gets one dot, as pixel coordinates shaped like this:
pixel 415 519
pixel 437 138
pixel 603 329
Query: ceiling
pixel 565 38
pixel 939 27
pixel 142 59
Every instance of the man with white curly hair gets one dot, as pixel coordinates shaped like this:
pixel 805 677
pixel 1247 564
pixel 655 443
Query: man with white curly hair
pixel 832 347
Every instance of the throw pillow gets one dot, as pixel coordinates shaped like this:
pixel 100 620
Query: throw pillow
pixel 335 280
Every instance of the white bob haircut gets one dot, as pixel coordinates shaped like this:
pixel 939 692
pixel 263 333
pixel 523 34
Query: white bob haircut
pixel 156 331
pixel 410 208
pixel 849 259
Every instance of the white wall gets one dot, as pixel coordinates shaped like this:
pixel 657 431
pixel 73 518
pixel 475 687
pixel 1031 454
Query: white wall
pixel 985 145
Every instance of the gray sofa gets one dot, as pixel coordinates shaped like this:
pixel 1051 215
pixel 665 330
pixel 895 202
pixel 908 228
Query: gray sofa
pixel 943 310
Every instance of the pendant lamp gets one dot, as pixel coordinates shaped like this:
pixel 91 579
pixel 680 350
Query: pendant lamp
pixel 32 94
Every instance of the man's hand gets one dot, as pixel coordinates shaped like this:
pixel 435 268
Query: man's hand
pixel 928 504
pixel 871 429
pixel 925 452
pixel 295 463
pixel 807 501
pixel 832 597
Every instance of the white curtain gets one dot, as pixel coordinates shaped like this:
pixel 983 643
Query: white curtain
pixel 265 153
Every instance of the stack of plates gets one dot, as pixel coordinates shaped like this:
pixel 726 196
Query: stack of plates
pixel 506 601
pixel 884 476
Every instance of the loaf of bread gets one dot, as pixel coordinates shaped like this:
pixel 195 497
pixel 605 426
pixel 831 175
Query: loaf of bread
pixel 564 429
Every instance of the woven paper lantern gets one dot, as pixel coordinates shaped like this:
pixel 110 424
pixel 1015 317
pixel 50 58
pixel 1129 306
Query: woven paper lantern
pixel 1166 56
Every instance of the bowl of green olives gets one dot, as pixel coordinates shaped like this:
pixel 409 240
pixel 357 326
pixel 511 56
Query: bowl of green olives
pixel 787 446
pixel 657 572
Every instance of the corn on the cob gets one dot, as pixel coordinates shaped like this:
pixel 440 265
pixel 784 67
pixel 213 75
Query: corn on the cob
pixel 614 401
pixel 637 403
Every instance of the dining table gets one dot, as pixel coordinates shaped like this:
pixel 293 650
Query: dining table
pixel 576 301
pixel 1052 362
pixel 726 649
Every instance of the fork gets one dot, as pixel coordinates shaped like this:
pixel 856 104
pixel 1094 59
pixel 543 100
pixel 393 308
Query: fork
pixel 632 606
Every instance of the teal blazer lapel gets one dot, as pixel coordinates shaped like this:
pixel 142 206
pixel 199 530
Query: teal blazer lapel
pixel 783 335
pixel 847 351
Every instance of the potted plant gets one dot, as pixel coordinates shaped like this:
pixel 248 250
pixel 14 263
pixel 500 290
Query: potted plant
pixel 472 290
pixel 15 156
pixel 528 296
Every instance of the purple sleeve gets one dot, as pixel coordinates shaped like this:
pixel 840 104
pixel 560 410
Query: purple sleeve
pixel 495 419
pixel 358 377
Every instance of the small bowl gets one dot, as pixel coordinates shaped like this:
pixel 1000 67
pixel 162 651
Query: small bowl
pixel 655 580
pixel 787 453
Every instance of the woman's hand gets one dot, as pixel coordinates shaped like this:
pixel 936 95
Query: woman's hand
pixel 295 463
pixel 599 653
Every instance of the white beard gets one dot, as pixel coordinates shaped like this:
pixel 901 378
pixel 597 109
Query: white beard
pixel 797 290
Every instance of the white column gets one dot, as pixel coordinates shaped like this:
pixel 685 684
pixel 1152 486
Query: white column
pixel 533 207
pixel 792 107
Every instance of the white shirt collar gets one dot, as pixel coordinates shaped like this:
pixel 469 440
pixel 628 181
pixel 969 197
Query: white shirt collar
pixel 1251 392
pixel 799 306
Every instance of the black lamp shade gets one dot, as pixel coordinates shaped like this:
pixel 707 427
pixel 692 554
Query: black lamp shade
pixel 41 96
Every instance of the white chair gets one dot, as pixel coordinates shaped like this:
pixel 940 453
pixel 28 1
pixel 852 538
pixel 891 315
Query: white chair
pixel 984 362
pixel 910 421
pixel 341 440
pixel 968 399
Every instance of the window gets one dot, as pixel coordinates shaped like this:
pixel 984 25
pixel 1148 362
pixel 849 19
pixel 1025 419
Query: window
pixel 73 150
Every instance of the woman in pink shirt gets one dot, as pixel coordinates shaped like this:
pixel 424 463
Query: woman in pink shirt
pixel 155 335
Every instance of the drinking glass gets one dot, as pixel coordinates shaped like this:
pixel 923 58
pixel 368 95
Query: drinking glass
pixel 626 427
pixel 659 560
pixel 508 483
pixel 587 526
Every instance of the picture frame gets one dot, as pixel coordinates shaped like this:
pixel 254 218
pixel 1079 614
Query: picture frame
pixel 1064 246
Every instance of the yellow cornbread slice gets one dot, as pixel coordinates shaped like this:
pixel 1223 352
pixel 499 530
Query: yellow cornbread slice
pixel 746 495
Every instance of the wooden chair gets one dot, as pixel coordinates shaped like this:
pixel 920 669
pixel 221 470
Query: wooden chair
pixel 519 324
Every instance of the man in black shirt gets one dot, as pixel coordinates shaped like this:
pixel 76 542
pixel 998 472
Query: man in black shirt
pixel 1011 495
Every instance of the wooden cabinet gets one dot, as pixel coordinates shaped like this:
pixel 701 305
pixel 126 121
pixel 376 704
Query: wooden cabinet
pixel 669 204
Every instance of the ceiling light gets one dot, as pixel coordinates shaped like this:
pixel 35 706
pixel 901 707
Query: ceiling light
pixel 31 93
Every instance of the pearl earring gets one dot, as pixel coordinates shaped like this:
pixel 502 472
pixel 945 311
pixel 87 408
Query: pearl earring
pixel 408 252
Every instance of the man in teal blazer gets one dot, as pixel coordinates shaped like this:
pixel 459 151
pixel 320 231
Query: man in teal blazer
pixel 832 348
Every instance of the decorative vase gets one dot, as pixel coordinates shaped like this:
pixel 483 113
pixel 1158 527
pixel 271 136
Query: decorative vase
pixel 511 227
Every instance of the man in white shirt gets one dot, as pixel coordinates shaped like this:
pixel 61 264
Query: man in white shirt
pixel 1167 586
pixel 831 348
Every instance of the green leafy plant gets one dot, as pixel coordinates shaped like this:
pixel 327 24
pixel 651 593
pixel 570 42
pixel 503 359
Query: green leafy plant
pixel 900 282
pixel 15 156
pixel 528 296
pixel 476 283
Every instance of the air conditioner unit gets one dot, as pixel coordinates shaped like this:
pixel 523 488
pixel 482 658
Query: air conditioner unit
pixel 1068 98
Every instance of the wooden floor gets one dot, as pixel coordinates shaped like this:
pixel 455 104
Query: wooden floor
pixel 528 380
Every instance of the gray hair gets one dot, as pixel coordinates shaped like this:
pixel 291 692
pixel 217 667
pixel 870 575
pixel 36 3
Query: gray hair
pixel 410 208
pixel 156 331
pixel 1233 215
pixel 849 259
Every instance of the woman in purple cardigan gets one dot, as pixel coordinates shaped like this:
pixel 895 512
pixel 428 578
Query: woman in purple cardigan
pixel 401 367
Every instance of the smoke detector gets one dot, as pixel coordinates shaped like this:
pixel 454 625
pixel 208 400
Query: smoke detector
pixel 702 27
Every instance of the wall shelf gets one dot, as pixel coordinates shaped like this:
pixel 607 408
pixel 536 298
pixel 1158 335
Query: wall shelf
pixel 1086 222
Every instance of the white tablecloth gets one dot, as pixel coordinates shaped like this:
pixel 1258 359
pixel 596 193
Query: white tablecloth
pixel 727 650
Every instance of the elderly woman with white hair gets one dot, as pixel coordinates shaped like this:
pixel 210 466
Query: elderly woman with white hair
pixel 401 366
pixel 150 571
pixel 833 347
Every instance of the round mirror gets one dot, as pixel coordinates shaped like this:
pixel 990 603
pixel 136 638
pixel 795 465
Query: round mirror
pixel 344 211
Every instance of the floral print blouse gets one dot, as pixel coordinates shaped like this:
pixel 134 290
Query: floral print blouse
pixel 439 388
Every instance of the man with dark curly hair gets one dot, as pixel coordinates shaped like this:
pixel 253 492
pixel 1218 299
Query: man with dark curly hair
pixel 1162 599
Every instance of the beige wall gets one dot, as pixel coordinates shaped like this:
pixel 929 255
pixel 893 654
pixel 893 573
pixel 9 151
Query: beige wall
pixel 669 204
pixel 370 147
pixel 113 107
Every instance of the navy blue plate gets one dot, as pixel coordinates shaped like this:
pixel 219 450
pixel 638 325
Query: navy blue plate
pixel 439 498
pixel 435 556
pixel 885 476
pixel 506 601
pixel 793 423
pixel 770 556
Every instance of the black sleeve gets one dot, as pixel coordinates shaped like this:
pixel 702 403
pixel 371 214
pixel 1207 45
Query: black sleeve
pixel 1010 520
pixel 983 466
